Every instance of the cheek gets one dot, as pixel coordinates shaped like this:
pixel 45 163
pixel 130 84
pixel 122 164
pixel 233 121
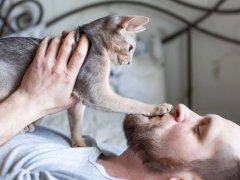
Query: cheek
pixel 114 59
pixel 182 143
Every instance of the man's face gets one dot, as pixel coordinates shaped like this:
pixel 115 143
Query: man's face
pixel 183 135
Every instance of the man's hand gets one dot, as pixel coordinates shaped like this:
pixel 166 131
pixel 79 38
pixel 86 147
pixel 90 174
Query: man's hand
pixel 47 85
pixel 50 79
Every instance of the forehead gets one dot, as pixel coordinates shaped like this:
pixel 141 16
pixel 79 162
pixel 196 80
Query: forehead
pixel 129 37
pixel 222 136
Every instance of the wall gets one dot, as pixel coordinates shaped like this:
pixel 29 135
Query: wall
pixel 216 64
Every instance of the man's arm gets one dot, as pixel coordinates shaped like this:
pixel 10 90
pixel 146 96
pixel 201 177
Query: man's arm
pixel 16 112
pixel 46 86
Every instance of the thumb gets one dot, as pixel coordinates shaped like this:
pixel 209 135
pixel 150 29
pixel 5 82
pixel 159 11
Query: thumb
pixel 74 98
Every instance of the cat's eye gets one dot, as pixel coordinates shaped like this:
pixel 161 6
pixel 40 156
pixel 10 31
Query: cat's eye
pixel 130 48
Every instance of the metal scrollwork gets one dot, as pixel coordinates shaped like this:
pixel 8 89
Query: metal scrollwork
pixel 20 21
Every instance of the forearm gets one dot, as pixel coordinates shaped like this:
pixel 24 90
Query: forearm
pixel 16 112
pixel 46 86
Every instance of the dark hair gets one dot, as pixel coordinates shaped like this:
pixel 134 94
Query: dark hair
pixel 223 168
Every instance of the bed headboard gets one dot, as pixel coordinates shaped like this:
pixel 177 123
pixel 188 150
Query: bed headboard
pixel 25 20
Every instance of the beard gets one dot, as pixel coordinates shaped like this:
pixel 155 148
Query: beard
pixel 142 139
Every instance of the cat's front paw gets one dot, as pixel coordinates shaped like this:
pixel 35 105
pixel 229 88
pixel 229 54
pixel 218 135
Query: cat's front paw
pixel 162 109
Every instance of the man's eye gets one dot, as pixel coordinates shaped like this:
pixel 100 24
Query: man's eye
pixel 199 129
pixel 202 128
pixel 196 131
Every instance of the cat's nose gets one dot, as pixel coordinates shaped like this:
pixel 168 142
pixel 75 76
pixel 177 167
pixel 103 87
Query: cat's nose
pixel 128 62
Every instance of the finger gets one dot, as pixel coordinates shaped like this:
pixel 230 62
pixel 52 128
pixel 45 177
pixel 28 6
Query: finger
pixel 66 49
pixel 65 33
pixel 52 49
pixel 78 55
pixel 42 48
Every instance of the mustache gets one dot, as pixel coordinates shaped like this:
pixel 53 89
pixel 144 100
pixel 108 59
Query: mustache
pixel 141 124
pixel 161 121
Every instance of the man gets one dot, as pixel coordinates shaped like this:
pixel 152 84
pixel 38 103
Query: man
pixel 182 145
pixel 186 144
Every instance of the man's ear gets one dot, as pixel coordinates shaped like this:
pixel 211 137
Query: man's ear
pixel 134 23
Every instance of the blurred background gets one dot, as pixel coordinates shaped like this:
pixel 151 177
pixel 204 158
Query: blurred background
pixel 190 53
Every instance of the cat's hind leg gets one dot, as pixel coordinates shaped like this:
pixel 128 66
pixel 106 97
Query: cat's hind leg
pixel 75 118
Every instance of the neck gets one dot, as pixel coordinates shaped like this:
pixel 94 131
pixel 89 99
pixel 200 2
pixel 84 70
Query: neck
pixel 127 166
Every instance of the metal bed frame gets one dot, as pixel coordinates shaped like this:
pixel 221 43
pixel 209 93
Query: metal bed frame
pixel 6 26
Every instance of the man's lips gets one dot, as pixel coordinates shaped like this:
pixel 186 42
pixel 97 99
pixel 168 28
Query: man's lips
pixel 165 116
pixel 165 120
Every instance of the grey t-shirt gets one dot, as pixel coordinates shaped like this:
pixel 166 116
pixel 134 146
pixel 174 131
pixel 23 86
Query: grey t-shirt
pixel 47 155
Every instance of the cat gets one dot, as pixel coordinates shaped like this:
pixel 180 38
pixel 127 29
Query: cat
pixel 113 39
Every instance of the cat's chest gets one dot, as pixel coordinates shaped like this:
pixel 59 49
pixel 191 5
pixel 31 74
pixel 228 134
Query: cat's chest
pixel 96 67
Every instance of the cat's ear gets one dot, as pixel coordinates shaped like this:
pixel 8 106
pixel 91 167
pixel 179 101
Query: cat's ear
pixel 135 23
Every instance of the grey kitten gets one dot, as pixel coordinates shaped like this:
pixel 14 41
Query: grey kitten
pixel 113 39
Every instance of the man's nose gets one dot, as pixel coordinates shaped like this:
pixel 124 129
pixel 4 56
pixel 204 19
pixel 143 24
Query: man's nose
pixel 184 114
